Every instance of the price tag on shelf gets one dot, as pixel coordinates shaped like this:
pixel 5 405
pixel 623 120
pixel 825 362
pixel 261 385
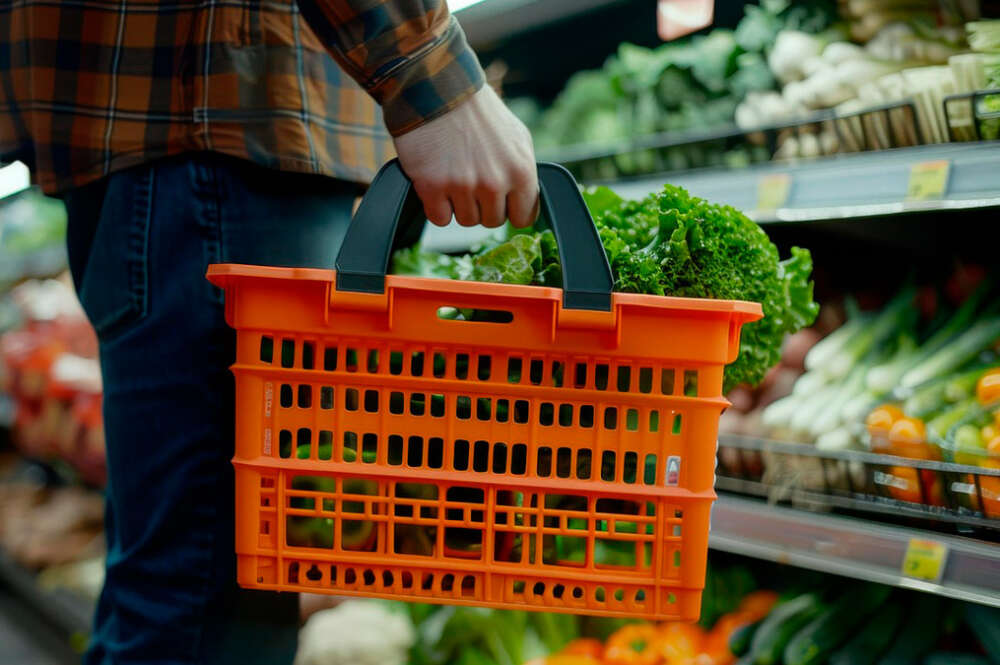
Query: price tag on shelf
pixel 773 190
pixel 925 559
pixel 928 180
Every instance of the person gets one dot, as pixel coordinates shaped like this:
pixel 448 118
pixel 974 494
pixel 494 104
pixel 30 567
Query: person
pixel 184 133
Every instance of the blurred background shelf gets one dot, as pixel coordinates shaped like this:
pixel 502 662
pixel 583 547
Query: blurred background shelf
pixel 489 21
pixel 852 547
pixel 845 187
pixel 57 613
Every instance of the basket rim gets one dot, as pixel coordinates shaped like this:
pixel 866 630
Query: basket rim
pixel 220 274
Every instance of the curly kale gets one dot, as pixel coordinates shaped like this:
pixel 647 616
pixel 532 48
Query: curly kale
pixel 670 243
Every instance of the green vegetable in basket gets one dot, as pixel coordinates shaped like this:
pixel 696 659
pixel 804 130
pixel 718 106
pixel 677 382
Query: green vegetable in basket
pixel 671 243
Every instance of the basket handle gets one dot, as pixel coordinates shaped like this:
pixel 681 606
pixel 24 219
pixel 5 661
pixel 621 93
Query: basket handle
pixel 364 256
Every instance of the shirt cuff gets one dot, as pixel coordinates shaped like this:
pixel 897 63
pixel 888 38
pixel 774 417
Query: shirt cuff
pixel 430 82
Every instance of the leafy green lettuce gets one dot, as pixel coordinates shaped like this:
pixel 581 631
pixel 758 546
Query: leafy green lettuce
pixel 670 243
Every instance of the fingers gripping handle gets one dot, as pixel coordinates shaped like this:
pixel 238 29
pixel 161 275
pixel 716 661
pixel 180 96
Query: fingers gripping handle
pixel 391 207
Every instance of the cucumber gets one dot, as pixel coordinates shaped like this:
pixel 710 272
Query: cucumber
pixel 780 626
pixel 985 624
pixel 831 629
pixel 920 632
pixel 739 641
pixel 952 658
pixel 872 640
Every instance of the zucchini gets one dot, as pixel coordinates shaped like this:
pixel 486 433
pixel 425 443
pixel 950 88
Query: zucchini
pixel 985 624
pixel 739 641
pixel 831 629
pixel 920 632
pixel 952 658
pixel 780 626
pixel 872 640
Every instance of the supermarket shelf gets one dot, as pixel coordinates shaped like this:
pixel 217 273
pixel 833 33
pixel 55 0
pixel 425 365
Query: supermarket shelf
pixel 852 547
pixel 490 20
pixel 65 612
pixel 849 186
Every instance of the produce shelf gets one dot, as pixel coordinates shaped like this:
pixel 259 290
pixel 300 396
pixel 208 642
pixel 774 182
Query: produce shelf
pixel 802 474
pixel 854 548
pixel 67 613
pixel 851 186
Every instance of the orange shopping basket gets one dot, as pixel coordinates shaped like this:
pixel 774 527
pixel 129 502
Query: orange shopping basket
pixel 481 444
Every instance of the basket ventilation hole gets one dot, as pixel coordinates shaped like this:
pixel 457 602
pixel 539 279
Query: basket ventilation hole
pixel 514 370
pixel 611 417
pixel 330 359
pixel 691 383
pixel 285 443
pixel 287 353
pixel 667 382
pixel 646 379
pixel 266 349
pixel 314 574
pixel 305 397
pixel 624 379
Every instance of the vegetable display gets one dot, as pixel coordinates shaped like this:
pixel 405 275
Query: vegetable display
pixel 670 243
pixel 881 367
pixel 689 84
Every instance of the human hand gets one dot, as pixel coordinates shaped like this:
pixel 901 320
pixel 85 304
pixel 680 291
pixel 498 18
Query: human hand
pixel 475 161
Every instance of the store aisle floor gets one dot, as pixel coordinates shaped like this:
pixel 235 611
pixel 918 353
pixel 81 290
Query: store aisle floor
pixel 26 640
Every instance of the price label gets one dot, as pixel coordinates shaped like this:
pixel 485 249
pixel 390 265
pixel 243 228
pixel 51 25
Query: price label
pixel 925 559
pixel 773 190
pixel 928 180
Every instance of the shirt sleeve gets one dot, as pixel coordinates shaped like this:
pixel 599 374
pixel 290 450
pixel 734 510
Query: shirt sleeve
pixel 410 55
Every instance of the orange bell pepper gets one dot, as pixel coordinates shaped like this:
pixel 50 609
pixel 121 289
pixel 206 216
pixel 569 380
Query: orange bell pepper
pixel 988 387
pixel 758 604
pixel 678 643
pixel 584 646
pixel 716 643
pixel 634 644
pixel 565 659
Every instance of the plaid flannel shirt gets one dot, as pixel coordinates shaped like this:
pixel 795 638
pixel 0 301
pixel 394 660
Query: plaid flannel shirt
pixel 88 87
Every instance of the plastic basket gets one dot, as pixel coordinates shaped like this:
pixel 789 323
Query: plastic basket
pixel 558 455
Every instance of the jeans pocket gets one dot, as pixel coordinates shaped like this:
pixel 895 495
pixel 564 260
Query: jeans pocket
pixel 114 290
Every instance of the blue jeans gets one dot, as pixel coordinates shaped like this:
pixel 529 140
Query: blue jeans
pixel 139 243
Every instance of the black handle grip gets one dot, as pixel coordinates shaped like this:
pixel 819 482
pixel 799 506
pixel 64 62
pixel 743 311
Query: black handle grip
pixel 364 257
